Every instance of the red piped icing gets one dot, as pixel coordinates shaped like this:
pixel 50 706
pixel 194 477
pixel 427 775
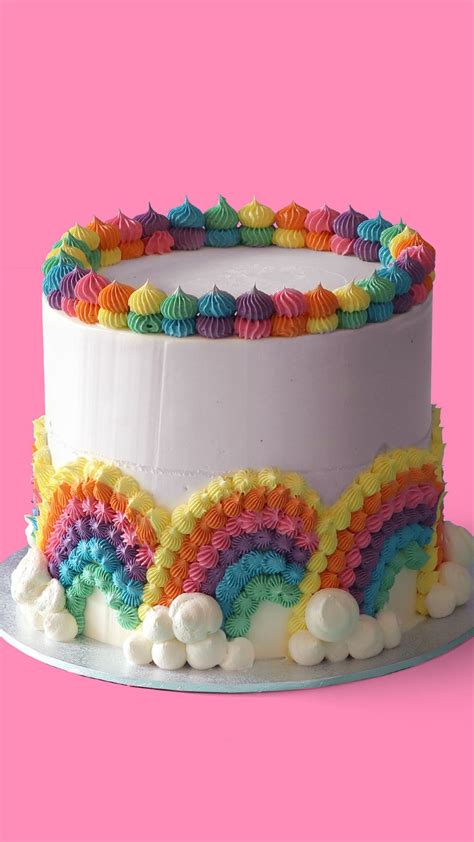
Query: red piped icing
pixel 252 329
pixel 160 242
pixel 342 245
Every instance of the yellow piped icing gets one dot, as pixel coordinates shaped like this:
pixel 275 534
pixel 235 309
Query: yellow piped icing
pixel 352 298
pixel 325 324
pixel 146 300
pixel 109 257
pixel 85 235
pixel 289 238
pixel 255 215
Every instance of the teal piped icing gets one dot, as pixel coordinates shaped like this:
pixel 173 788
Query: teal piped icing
pixel 57 271
pixel 223 239
pixel 371 229
pixel 179 305
pixel 59 257
pixel 217 303
pixel 385 256
pixel 221 216
pixel 186 216
pixel 261 587
pixel 145 324
pixel 256 236
pixel 397 276
pixel 92 255
pixel 352 321
pixel 379 288
pixel 405 548
pixel 250 565
pixel 389 233
pixel 380 312
pixel 179 327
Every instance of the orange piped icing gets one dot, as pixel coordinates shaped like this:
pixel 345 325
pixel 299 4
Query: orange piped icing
pixel 288 325
pixel 321 302
pixel 319 240
pixel 130 250
pixel 114 297
pixel 291 217
pixel 109 235
pixel 87 312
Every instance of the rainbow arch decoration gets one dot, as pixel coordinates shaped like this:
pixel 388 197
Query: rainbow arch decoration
pixel 247 537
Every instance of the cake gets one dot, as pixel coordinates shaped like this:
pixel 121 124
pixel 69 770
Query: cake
pixel 239 458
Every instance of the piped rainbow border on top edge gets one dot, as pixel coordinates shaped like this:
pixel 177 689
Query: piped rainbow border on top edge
pixel 81 251
pixel 246 537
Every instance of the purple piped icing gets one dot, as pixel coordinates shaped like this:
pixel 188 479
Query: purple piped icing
pixel 411 267
pixel 345 225
pixel 152 221
pixel 213 327
pixel 68 282
pixel 366 250
pixel 402 303
pixel 188 239
pixel 54 299
pixel 255 305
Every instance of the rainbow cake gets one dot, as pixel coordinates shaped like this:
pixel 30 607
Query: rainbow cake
pixel 239 458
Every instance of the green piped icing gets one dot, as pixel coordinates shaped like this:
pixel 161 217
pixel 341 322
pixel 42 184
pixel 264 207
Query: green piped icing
pixel 93 576
pixel 221 216
pixel 380 289
pixel 152 323
pixel 391 232
pixel 179 305
pixel 412 557
pixel 256 236
pixel 59 257
pixel 92 255
pixel 271 588
pixel 351 321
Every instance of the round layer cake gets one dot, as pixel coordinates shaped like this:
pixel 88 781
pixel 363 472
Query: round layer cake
pixel 239 457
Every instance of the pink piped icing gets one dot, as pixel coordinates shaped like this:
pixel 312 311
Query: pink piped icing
pixel 289 302
pixel 161 242
pixel 341 245
pixel 418 293
pixel 424 255
pixel 89 286
pixel 207 556
pixel 321 219
pixel 130 229
pixel 252 329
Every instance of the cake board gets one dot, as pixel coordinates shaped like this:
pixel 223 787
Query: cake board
pixel 86 657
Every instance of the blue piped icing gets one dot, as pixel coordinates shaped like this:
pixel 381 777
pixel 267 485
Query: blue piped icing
pixel 179 327
pixel 397 276
pixel 385 256
pixel 371 229
pixel 186 216
pixel 380 312
pixel 217 303
pixel 223 239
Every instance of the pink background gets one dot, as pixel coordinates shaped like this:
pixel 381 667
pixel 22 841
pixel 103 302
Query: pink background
pixel 110 105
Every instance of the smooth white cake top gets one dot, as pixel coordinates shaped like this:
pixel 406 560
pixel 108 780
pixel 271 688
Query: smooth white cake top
pixel 237 269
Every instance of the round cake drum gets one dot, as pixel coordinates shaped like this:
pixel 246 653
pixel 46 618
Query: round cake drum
pixel 84 656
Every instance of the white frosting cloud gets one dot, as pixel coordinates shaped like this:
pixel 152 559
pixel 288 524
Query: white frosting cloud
pixel 169 654
pixel 137 649
pixel 440 601
pixel 367 638
pixel 458 578
pixel 194 617
pixel 207 653
pixel 240 655
pixel 331 614
pixel 60 626
pixel 458 543
pixel 157 624
pixel 391 629
pixel 306 649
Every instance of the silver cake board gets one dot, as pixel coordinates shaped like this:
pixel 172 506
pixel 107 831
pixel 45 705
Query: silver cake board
pixel 84 656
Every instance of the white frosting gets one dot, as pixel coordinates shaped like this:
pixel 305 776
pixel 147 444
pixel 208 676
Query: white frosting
pixel 367 639
pixel 237 269
pixel 458 578
pixel 331 614
pixel 440 601
pixel 52 598
pixel 157 625
pixel 207 653
pixel 169 655
pixel 306 649
pixel 173 413
pixel 100 621
pixel 402 598
pixel 60 626
pixel 269 630
pixel 336 652
pixel 194 616
pixel 30 577
pixel 458 543
pixel 391 629
pixel 137 649
pixel 240 655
